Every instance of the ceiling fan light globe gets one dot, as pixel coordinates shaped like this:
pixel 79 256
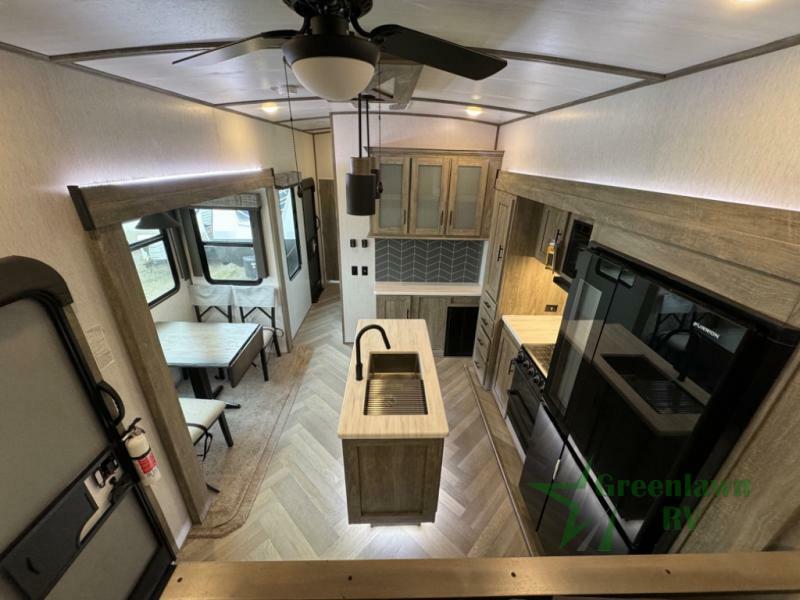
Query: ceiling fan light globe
pixel 335 78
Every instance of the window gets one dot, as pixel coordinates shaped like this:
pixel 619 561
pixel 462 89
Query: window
pixel 291 237
pixel 225 243
pixel 154 262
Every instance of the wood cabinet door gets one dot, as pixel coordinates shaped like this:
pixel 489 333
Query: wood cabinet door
pixel 497 246
pixel 391 211
pixel 504 371
pixel 554 223
pixel 393 307
pixel 467 192
pixel 429 182
pixel 434 310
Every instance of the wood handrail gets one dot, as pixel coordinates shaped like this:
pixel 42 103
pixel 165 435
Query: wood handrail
pixel 663 574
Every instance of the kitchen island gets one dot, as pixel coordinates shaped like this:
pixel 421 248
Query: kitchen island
pixel 393 447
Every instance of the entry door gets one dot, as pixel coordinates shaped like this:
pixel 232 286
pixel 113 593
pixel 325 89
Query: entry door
pixel 75 524
pixel 311 223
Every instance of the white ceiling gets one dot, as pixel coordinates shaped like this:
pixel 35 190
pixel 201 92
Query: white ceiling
pixel 654 35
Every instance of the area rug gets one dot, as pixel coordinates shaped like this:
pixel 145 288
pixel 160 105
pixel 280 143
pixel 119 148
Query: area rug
pixel 256 428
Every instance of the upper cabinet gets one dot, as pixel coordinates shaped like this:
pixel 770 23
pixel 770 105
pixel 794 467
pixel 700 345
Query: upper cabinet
pixel 467 195
pixel 435 194
pixel 429 181
pixel 391 211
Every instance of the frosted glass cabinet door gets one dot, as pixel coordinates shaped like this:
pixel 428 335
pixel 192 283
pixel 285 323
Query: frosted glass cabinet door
pixel 467 192
pixel 429 179
pixel 391 210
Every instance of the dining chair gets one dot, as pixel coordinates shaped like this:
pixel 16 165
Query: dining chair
pixel 260 298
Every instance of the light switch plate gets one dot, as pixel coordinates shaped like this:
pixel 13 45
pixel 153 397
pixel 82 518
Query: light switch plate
pixel 354 270
pixel 550 307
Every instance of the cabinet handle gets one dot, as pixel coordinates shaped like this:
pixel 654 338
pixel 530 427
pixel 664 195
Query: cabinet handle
pixel 484 321
pixel 408 313
pixel 450 221
pixel 480 342
pixel 500 252
pixel 511 366
pixel 486 304
pixel 441 219
pixel 404 216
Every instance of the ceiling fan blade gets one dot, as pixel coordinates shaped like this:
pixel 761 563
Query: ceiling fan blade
pixel 435 52
pixel 262 41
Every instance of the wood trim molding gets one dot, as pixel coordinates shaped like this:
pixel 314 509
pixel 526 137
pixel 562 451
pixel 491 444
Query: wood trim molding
pixel 99 206
pixel 575 64
pixel 756 246
pixel 665 575
pixel 114 263
pixel 397 151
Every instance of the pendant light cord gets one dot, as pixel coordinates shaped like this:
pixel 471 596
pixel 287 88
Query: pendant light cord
pixel 360 145
pixel 291 118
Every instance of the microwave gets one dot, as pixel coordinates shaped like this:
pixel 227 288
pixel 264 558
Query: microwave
pixel 577 234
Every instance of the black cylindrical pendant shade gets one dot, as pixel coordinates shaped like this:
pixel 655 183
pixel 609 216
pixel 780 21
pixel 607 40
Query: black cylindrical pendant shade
pixel 360 194
pixel 375 169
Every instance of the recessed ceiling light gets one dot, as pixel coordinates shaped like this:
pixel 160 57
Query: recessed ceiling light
pixel 270 107
pixel 474 111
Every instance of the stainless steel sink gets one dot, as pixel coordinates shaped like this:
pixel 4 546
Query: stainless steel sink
pixel 394 385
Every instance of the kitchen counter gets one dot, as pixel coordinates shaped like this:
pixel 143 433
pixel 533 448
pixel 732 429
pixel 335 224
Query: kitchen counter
pixel 411 288
pixel 533 329
pixel 405 335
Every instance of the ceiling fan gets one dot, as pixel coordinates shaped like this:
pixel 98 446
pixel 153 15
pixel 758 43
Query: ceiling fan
pixel 337 64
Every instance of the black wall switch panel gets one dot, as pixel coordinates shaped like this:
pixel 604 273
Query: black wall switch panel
pixel 352 243
pixel 365 243
pixel 354 270
pixel 364 271
pixel 550 307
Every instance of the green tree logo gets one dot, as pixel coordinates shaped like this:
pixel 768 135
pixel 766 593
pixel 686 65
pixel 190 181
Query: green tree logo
pixel 559 491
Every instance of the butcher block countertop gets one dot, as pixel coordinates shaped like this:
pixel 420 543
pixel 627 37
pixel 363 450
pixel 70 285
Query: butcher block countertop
pixel 533 329
pixel 405 335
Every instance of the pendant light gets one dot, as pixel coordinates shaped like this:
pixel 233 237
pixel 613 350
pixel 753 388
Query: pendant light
pixel 361 181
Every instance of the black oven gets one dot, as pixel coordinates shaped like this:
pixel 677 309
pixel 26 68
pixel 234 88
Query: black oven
pixel 524 397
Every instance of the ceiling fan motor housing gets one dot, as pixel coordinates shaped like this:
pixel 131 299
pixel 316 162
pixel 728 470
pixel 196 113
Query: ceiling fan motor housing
pixel 331 63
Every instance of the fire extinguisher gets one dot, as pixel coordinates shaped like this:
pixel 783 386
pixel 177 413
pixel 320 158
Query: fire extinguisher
pixel 142 455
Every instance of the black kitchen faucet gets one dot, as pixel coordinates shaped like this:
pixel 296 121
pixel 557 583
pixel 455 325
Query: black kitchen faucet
pixel 359 365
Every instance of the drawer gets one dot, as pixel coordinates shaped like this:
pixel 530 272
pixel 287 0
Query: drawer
pixel 465 300
pixel 482 343
pixel 485 320
pixel 480 367
pixel 489 305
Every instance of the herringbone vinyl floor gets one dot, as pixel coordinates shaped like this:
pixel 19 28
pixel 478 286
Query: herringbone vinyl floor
pixel 301 511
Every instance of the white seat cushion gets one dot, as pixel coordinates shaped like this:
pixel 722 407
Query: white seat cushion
pixel 201 411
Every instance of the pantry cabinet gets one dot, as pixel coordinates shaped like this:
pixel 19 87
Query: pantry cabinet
pixel 435 194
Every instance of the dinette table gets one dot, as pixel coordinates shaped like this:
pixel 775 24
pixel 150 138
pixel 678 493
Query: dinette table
pixel 197 347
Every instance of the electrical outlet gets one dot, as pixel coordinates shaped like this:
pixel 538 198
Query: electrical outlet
pixel 550 307
pixel 354 270
pixel 364 271
pixel 365 243
pixel 352 243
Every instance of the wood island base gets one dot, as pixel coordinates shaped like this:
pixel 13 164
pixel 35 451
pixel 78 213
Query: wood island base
pixel 392 481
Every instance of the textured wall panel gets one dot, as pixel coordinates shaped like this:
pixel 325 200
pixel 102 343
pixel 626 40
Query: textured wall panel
pixel 448 261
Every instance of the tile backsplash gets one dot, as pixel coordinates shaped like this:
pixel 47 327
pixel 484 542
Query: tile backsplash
pixel 446 261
